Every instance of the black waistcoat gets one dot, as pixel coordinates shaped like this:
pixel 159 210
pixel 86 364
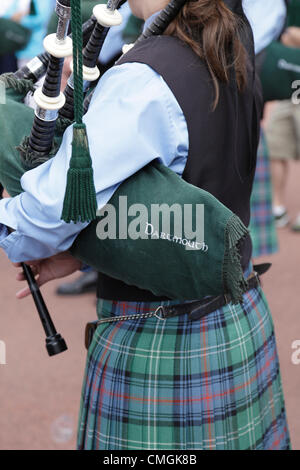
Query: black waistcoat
pixel 222 143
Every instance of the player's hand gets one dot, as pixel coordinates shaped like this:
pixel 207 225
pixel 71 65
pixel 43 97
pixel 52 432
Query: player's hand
pixel 46 270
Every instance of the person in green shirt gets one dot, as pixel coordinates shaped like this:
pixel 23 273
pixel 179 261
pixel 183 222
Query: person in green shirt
pixel 283 127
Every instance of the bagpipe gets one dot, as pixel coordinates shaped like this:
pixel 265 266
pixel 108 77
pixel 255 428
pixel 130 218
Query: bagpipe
pixel 193 269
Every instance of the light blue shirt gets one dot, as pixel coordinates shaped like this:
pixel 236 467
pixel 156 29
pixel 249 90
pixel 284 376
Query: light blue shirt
pixel 133 119
pixel 267 18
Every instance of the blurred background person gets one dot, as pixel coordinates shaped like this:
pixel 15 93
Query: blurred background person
pixel 267 20
pixel 37 22
pixel 283 125
pixel 12 13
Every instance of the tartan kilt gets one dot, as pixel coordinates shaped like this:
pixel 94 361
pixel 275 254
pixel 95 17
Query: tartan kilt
pixel 262 224
pixel 180 384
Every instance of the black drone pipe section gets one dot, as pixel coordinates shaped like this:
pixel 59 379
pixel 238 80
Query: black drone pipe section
pixel 163 20
pixel 91 54
pixel 90 58
pixel 42 134
pixel 37 67
pixel 55 344
pixel 43 130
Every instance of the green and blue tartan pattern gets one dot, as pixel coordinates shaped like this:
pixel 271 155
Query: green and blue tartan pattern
pixel 176 384
pixel 262 225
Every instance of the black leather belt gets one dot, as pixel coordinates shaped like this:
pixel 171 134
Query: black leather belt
pixel 200 308
pixel 195 310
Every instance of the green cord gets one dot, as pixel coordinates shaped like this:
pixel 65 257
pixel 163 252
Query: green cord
pixel 80 203
pixel 77 60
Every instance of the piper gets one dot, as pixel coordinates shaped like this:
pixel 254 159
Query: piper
pixel 181 334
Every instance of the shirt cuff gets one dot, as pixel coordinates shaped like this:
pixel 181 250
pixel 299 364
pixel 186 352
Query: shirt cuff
pixel 7 219
pixel 4 232
pixel 7 212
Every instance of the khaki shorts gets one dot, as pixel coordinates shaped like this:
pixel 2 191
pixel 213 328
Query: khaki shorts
pixel 283 131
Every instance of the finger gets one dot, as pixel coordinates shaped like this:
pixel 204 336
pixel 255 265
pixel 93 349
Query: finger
pixel 43 278
pixel 29 263
pixel 35 269
pixel 21 276
pixel 23 293
pixel 35 262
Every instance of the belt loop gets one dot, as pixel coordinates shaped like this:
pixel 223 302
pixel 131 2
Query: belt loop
pixel 159 309
pixel 257 278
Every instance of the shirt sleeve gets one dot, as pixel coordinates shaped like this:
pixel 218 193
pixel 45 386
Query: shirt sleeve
pixel 133 119
pixel 267 20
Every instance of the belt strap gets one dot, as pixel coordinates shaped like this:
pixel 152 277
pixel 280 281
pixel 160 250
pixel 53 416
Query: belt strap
pixel 196 310
pixel 201 308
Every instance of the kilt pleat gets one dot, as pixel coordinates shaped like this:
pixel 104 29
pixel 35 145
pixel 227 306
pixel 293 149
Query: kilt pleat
pixel 262 224
pixel 177 384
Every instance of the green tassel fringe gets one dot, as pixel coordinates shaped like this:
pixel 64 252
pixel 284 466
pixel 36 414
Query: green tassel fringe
pixel 31 159
pixel 233 278
pixel 80 203
pixel 22 86
pixel 62 124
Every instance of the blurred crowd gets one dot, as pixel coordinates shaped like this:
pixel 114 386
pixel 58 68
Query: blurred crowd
pixel 23 27
pixel 276 28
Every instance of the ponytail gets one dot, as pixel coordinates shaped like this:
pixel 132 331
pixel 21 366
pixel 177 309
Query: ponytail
pixel 212 31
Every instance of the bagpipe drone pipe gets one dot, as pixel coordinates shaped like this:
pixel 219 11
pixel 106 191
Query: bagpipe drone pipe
pixel 167 264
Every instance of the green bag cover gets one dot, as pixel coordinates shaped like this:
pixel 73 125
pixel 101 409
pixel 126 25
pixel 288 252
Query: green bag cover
pixel 280 69
pixel 16 122
pixel 14 36
pixel 161 261
pixel 158 262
